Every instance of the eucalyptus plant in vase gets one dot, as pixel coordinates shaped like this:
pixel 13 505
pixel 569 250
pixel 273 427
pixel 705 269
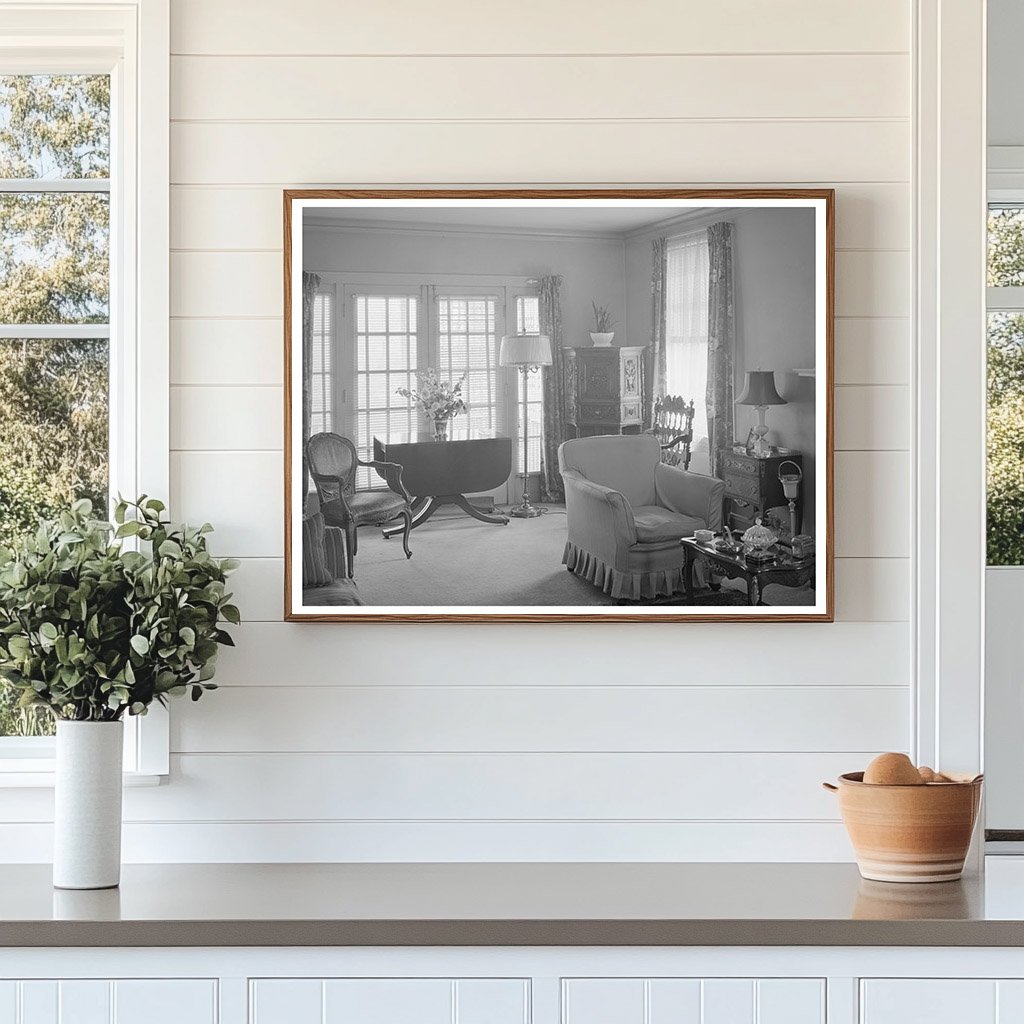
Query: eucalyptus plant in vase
pixel 99 620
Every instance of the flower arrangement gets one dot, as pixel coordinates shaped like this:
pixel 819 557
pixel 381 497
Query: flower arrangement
pixel 439 399
pixel 91 631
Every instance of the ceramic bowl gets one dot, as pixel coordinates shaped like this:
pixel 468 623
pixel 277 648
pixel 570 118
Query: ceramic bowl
pixel 909 833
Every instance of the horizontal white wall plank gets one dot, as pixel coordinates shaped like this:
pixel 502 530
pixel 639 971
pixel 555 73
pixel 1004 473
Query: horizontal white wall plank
pixel 872 504
pixel 867 589
pixel 456 26
pixel 610 786
pixel 543 718
pixel 873 283
pixel 872 418
pixel 227 352
pixel 334 88
pixel 842 654
pixel 215 418
pixel 872 589
pixel 212 418
pixel 868 216
pixel 241 494
pixel 873 350
pixel 236 492
pixel 327 841
pixel 235 284
pixel 242 217
pixel 656 151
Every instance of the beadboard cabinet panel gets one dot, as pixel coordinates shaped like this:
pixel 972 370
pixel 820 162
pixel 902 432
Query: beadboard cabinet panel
pixel 953 1001
pixel 732 26
pixel 96 1001
pixel 259 88
pixel 693 1001
pixel 389 1001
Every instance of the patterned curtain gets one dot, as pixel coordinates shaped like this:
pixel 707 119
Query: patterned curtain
pixel 659 248
pixel 310 284
pixel 550 293
pixel 721 344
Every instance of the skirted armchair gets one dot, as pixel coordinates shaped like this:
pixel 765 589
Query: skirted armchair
pixel 627 512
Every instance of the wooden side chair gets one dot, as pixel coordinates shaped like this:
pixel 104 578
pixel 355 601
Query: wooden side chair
pixel 673 427
pixel 333 461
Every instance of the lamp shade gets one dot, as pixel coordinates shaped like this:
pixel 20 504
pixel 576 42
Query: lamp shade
pixel 525 350
pixel 760 389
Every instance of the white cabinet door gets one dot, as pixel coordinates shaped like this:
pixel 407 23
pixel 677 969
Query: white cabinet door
pixel 942 1001
pixel 145 1001
pixel 389 1001
pixel 693 1001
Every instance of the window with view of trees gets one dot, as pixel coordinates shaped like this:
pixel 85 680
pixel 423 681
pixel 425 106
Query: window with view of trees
pixel 54 306
pixel 1006 385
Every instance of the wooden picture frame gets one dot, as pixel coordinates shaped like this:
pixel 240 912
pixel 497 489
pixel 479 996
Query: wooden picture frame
pixel 369 210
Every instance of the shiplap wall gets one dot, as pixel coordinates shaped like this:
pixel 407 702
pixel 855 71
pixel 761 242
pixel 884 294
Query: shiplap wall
pixel 505 742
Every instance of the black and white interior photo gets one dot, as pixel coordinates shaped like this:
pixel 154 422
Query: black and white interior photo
pixel 610 406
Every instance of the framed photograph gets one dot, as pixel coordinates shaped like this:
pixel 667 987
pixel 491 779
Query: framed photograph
pixel 558 405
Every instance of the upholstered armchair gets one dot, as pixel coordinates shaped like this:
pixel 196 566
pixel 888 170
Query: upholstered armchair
pixel 333 461
pixel 627 512
pixel 325 573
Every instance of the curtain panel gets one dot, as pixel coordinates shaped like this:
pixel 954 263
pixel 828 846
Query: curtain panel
pixel 721 344
pixel 550 303
pixel 659 249
pixel 310 284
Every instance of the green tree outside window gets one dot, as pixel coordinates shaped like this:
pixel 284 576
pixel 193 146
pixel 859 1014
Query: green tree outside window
pixel 54 271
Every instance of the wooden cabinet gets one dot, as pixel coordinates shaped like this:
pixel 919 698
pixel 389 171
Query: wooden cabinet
pixel 604 390
pixel 752 486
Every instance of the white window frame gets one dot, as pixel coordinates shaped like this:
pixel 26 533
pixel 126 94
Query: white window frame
pixel 130 41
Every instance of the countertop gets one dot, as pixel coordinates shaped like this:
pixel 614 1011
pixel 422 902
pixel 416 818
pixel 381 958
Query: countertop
pixel 519 904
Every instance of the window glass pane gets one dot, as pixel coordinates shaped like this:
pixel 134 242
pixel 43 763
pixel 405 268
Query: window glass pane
pixel 1006 439
pixel 1005 246
pixel 54 258
pixel 54 126
pixel 53 449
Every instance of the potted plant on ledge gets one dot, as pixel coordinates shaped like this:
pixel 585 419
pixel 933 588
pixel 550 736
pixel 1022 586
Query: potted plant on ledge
pixel 604 327
pixel 92 631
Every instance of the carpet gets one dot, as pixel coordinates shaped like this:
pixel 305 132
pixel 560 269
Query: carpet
pixel 457 560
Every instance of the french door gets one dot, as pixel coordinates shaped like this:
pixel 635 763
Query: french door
pixel 389 332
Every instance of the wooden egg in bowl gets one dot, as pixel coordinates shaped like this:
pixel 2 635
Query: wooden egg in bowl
pixel 909 833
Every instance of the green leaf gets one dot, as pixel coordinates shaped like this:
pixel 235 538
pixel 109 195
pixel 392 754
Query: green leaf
pixel 231 613
pixel 140 644
pixel 48 631
pixel 170 549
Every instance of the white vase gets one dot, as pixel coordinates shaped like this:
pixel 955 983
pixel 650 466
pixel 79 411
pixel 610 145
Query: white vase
pixel 87 805
pixel 603 339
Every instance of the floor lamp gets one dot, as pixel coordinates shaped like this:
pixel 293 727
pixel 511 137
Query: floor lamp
pixel 527 353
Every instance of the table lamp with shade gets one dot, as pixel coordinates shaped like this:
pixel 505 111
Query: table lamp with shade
pixel 528 353
pixel 760 393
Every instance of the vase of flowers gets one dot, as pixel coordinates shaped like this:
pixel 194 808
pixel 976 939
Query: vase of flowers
pixel 440 400
pixel 604 327
pixel 91 632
